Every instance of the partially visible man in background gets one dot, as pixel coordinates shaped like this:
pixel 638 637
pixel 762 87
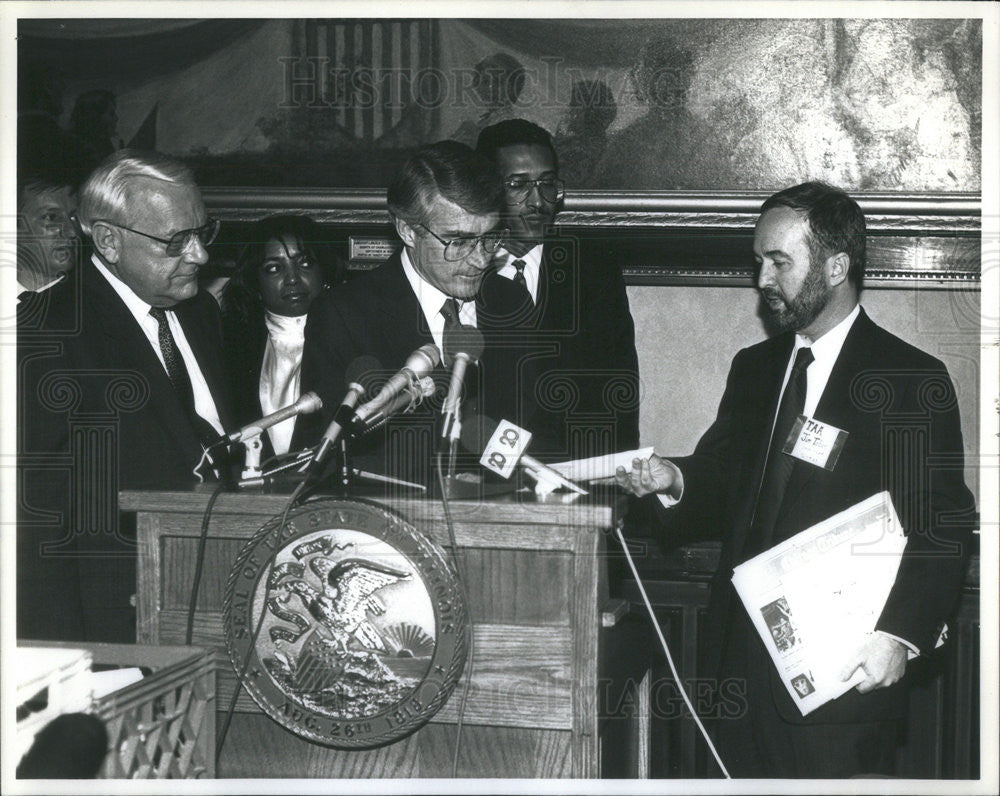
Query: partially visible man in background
pixel 574 371
pixel 47 243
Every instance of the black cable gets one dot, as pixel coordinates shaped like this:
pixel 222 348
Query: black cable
pixel 465 595
pixel 223 731
pixel 200 561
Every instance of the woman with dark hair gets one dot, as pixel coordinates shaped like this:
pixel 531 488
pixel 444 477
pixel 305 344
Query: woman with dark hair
pixel 281 270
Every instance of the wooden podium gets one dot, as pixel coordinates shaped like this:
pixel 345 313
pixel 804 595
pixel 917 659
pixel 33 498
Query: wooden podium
pixel 560 679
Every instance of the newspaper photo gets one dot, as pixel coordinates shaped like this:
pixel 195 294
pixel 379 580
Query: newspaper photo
pixel 816 597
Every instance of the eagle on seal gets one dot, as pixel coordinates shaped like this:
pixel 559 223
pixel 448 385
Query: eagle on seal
pixel 348 596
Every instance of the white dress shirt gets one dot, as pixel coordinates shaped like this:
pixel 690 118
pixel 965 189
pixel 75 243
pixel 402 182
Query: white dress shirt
pixel 204 404
pixel 825 352
pixel 22 289
pixel 281 373
pixel 532 267
pixel 431 300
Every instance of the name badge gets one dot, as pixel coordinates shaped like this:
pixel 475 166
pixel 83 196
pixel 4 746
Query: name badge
pixel 815 442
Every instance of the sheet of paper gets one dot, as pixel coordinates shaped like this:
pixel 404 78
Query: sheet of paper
pixel 600 467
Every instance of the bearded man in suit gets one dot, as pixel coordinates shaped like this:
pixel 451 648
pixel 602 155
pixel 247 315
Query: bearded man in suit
pixel 831 363
pixel 444 203
pixel 559 301
pixel 121 388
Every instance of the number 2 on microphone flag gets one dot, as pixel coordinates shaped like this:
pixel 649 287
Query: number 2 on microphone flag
pixel 504 449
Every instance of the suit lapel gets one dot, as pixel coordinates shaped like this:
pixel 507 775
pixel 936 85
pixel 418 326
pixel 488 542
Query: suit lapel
pixel 769 378
pixel 133 350
pixel 558 292
pixel 402 327
pixel 208 358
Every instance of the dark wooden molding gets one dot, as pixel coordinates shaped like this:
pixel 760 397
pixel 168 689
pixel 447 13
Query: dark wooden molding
pixel 927 213
pixel 688 238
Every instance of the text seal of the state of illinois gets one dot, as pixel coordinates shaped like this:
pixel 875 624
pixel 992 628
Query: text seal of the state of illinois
pixel 363 627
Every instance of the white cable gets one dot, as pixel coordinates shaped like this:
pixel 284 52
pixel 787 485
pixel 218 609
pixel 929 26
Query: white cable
pixel 666 651
pixel 205 456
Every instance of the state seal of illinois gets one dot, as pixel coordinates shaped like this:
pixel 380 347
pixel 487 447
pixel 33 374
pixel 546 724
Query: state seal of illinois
pixel 348 624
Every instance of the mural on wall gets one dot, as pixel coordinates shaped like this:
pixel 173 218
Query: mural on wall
pixel 721 105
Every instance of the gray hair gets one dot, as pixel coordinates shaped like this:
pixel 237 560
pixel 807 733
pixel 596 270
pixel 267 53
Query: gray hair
pixel 448 169
pixel 107 192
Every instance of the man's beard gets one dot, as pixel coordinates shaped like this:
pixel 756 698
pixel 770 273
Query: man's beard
pixel 803 308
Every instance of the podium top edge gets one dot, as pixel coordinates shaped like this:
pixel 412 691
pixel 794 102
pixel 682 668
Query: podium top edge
pixel 520 507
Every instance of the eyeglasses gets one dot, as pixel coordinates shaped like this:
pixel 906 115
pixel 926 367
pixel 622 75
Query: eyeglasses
pixel 459 248
pixel 518 188
pixel 178 242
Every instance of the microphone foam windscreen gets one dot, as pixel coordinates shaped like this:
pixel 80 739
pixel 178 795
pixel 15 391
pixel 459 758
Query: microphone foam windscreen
pixel 360 368
pixel 476 432
pixel 464 339
pixel 367 371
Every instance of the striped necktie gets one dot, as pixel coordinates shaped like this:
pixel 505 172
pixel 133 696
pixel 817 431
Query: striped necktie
pixel 179 378
pixel 519 278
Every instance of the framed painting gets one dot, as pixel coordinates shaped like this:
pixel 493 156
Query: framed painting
pixel 669 131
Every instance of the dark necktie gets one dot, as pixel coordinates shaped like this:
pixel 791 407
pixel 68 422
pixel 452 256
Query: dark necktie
pixel 179 377
pixel 779 465
pixel 450 312
pixel 519 276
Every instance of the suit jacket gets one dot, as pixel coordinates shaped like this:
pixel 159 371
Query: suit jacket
pixel 899 408
pixel 244 347
pixel 573 372
pixel 97 414
pixel 364 331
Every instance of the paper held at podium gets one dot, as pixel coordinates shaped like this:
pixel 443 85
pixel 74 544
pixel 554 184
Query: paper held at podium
pixel 816 597
pixel 599 468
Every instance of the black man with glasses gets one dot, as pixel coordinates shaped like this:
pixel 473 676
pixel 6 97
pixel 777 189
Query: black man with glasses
pixel 445 207
pixel 561 304
pixel 122 388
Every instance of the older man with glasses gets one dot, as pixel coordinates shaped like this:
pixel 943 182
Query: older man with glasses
pixel 445 206
pixel 122 388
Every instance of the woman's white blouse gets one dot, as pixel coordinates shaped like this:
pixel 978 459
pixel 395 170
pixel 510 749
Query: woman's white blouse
pixel 281 372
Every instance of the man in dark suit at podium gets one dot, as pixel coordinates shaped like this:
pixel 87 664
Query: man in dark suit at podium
pixel 121 388
pixel 445 204
pixel 573 371
pixel 898 409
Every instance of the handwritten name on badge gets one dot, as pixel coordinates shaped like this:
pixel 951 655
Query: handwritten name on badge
pixel 815 442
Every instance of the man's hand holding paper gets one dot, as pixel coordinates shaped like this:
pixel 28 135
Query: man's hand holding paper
pixel 647 476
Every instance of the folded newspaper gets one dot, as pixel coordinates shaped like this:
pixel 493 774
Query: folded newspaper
pixel 815 598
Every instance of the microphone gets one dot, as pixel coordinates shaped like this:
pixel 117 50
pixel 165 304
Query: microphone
pixel 463 344
pixel 408 399
pixel 420 363
pixel 308 403
pixel 502 458
pixel 343 416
